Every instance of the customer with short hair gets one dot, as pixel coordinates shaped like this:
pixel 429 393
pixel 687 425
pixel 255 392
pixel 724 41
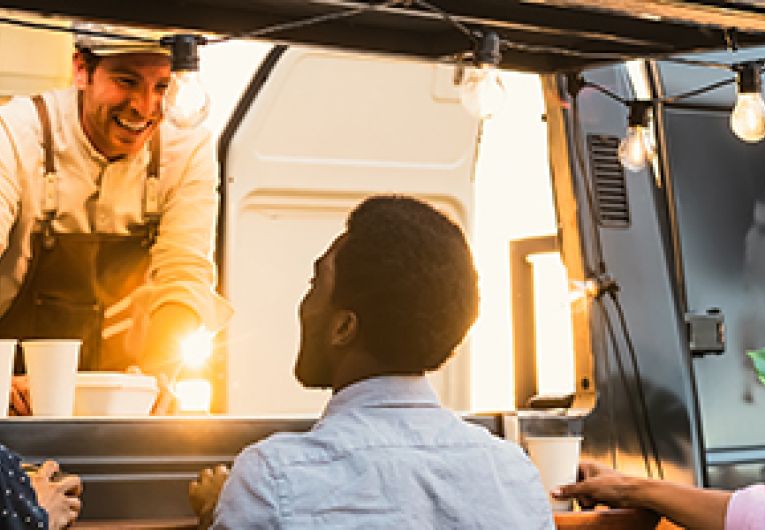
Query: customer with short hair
pixel 389 301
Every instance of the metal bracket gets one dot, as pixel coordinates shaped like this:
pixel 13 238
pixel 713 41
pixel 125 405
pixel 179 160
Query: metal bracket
pixel 706 332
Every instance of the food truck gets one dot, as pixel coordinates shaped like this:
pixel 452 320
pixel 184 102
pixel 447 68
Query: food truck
pixel 625 132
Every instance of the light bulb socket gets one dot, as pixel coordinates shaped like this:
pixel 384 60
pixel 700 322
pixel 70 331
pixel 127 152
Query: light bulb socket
pixel 184 49
pixel 487 50
pixel 638 116
pixel 748 78
pixel 600 285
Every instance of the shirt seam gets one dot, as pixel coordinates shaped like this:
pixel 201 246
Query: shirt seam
pixel 349 452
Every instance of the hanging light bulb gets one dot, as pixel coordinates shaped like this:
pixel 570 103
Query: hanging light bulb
pixel 187 103
pixel 637 148
pixel 482 91
pixel 748 117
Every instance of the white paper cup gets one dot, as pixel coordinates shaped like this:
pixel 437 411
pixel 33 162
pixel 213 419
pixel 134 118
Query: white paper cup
pixel 7 354
pixel 556 458
pixel 52 370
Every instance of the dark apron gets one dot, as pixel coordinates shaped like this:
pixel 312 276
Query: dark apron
pixel 73 278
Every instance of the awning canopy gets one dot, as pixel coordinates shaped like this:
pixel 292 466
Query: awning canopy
pixel 538 35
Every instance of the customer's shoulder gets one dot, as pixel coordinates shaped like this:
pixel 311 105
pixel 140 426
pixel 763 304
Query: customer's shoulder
pixel 283 448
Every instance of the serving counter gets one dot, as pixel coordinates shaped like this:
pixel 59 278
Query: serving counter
pixel 139 469
pixel 136 471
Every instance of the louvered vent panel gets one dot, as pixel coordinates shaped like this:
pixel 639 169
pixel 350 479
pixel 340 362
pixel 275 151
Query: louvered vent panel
pixel 608 180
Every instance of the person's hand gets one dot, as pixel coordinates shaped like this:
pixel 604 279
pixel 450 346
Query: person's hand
pixel 204 493
pixel 60 498
pixel 597 484
pixel 165 404
pixel 20 405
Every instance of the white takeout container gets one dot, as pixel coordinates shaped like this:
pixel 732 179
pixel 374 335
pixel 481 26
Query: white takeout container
pixel 114 394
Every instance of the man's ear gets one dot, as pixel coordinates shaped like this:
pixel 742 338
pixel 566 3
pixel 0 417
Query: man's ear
pixel 345 326
pixel 79 71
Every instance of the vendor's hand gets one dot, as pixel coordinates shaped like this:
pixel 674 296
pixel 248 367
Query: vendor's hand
pixel 60 498
pixel 165 404
pixel 597 484
pixel 204 493
pixel 20 404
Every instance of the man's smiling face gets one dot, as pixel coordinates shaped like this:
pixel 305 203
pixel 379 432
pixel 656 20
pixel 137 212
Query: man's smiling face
pixel 121 100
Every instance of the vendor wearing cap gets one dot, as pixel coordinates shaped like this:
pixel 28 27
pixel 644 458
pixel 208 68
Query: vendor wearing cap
pixel 107 214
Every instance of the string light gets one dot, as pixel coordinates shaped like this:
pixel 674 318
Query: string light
pixel 187 103
pixel 481 87
pixel 748 117
pixel 637 148
pixel 482 91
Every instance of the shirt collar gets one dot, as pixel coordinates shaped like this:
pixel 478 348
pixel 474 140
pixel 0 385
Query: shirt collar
pixel 384 391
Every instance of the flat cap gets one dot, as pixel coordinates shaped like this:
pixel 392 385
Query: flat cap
pixel 105 39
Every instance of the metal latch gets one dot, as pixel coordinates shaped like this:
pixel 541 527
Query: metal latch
pixel 706 332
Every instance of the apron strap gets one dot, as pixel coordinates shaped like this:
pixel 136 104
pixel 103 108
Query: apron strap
pixel 151 213
pixel 50 180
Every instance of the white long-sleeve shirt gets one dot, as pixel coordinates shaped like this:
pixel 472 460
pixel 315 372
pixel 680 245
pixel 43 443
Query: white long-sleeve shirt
pixel 181 268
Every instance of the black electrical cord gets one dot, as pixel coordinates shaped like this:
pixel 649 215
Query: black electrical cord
pixel 296 24
pixel 602 270
pixel 694 62
pixel 698 91
pixel 448 18
pixel 638 378
pixel 566 52
pixel 473 35
pixel 623 377
pixel 603 90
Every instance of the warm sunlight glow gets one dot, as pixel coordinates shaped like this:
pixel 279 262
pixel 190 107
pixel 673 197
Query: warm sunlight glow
pixel 225 70
pixel 513 200
pixel 193 395
pixel 554 334
pixel 197 348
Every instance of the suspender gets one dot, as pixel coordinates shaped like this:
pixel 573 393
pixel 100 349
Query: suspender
pixel 150 205
pixel 151 192
pixel 50 184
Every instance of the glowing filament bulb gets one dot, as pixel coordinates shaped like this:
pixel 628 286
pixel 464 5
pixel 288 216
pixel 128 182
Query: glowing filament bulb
pixel 636 149
pixel 188 103
pixel 748 117
pixel 482 91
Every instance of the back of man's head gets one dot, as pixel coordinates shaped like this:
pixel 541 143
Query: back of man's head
pixel 407 273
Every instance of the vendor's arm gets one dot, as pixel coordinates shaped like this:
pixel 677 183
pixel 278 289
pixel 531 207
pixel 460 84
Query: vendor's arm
pixel 9 188
pixel 180 295
pixel 687 506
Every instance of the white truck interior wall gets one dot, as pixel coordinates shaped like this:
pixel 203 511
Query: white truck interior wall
pixel 33 60
pixel 327 130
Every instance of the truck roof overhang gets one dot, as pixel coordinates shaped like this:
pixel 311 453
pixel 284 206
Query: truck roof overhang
pixel 542 35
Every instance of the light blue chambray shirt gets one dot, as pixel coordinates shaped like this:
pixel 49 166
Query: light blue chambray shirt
pixel 385 454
